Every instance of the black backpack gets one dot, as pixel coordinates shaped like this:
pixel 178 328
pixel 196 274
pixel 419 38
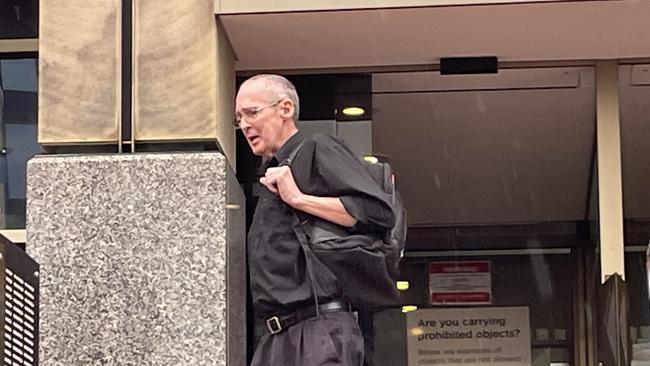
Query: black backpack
pixel 366 266
pixel 396 237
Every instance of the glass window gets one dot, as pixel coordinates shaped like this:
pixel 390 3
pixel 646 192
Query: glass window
pixel 19 131
pixel 497 177
pixel 634 93
pixel 519 283
pixel 18 19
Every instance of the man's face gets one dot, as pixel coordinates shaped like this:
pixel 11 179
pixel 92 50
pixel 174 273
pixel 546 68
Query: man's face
pixel 263 130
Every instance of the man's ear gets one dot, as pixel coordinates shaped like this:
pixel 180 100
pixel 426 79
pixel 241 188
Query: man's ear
pixel 286 109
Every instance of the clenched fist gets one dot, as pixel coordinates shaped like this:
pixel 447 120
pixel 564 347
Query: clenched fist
pixel 281 182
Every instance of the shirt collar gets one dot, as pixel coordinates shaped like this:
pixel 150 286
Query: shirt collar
pixel 292 143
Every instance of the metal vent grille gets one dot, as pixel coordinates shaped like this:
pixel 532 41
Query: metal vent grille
pixel 19 282
pixel 20 320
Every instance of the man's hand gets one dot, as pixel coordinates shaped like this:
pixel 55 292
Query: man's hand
pixel 281 182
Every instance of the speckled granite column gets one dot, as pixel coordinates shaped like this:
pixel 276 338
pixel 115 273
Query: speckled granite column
pixel 142 259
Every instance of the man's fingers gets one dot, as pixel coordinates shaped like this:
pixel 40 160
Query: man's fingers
pixel 267 183
pixel 276 173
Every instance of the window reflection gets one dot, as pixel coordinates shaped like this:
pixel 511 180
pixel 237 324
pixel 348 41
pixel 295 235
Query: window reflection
pixel 534 282
pixel 634 93
pixel 19 131
pixel 497 170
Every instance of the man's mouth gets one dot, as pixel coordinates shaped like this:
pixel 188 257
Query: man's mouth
pixel 253 139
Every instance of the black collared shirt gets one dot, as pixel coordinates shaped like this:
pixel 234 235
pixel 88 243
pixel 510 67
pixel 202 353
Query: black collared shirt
pixel 323 167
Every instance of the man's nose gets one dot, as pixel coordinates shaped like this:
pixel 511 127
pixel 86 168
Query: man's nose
pixel 243 124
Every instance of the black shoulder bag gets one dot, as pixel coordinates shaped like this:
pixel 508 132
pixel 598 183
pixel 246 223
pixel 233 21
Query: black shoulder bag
pixel 357 260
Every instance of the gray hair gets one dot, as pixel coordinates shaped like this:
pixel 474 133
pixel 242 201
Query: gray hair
pixel 277 87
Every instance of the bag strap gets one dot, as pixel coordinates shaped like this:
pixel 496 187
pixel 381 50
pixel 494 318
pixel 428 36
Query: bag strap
pixel 299 229
pixel 288 161
pixel 320 230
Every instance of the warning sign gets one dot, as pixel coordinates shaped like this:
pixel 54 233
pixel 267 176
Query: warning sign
pixel 469 337
pixel 460 283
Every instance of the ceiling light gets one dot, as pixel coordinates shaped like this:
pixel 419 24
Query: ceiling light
pixel 409 308
pixel 402 285
pixel 353 111
pixel 371 159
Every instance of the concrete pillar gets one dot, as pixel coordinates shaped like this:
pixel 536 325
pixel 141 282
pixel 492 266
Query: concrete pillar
pixel 142 259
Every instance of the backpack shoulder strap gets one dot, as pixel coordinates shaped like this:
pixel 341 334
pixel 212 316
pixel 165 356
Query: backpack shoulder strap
pixel 288 161
pixel 298 227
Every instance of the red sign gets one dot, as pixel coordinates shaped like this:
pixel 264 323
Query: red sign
pixel 460 282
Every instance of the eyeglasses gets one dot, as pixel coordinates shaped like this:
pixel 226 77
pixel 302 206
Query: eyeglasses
pixel 251 114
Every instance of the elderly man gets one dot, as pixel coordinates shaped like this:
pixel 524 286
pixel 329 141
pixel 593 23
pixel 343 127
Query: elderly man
pixel 324 181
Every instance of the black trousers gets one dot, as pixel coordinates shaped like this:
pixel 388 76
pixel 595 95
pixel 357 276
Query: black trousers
pixel 331 339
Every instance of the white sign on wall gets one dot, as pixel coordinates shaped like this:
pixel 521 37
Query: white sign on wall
pixel 469 337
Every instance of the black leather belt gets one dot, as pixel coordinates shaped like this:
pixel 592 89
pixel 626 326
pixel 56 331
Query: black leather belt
pixel 277 324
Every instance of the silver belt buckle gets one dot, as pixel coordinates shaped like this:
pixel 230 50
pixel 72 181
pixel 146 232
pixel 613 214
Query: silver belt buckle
pixel 273 325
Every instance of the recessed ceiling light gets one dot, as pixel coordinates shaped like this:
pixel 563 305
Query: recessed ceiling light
pixel 353 111
pixel 409 308
pixel 402 285
pixel 371 159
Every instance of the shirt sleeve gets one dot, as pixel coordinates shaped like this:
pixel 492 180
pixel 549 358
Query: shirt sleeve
pixel 370 213
pixel 346 177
